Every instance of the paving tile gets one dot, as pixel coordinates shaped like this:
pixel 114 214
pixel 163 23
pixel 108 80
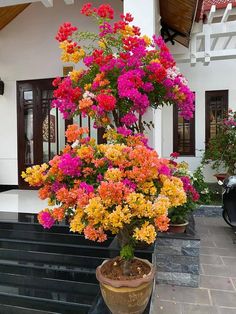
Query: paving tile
pixel 224 310
pixel 214 282
pixel 218 251
pixel 183 294
pixel 166 307
pixel 223 298
pixel 219 270
pixel 229 260
pixel 210 259
pixel 234 283
pixel 207 243
pixel 214 221
pixel 198 309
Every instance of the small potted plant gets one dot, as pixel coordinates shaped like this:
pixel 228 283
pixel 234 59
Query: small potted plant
pixel 221 149
pixel 179 215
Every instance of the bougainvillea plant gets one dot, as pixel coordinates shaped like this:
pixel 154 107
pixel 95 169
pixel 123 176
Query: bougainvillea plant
pixel 180 214
pixel 221 149
pixel 122 187
pixel 123 73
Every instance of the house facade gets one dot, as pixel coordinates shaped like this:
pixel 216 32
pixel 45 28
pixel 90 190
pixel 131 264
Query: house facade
pixel 30 58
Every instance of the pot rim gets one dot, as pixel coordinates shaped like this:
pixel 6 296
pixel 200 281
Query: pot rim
pixel 180 225
pixel 132 283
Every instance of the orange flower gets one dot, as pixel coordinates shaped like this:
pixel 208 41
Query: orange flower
pixel 58 213
pixel 85 103
pixel 162 223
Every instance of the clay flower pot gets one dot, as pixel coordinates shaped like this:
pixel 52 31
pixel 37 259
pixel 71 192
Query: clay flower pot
pixel 178 228
pixel 220 176
pixel 126 296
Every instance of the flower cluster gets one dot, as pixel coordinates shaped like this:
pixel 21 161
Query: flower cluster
pixel 221 149
pixel 179 214
pixel 107 187
pixel 125 73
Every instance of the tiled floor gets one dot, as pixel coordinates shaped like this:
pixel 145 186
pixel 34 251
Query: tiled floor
pixel 21 201
pixel 217 291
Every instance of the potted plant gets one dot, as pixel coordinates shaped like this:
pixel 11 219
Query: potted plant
pixel 118 187
pixel 221 149
pixel 179 215
pixel 122 186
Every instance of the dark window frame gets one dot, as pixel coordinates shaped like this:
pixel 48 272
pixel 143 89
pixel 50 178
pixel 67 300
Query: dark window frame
pixel 192 152
pixel 208 96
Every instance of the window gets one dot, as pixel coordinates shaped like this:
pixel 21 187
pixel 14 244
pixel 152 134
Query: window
pixel 184 134
pixel 216 109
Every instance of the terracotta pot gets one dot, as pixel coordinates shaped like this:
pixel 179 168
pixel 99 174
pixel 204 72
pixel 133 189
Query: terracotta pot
pixel 178 228
pixel 220 176
pixel 126 296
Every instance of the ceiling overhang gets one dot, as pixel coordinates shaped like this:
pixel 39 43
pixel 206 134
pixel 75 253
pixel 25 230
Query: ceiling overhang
pixel 7 14
pixel 177 18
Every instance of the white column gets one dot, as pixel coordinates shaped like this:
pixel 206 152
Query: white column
pixel 147 16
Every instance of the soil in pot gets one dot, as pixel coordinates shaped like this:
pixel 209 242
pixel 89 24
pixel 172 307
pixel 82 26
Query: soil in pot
pixel 113 269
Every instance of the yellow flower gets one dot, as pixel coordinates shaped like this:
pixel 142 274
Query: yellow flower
pixel 76 224
pixel 119 217
pixel 161 205
pixel 87 86
pixel 146 233
pixel 35 175
pixel 113 174
pixel 140 207
pixel 147 40
pixel 102 43
pixel 173 189
pixel 75 75
pixel 148 188
pixel 95 210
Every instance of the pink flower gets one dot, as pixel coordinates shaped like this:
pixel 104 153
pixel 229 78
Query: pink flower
pixel 46 219
pixel 175 155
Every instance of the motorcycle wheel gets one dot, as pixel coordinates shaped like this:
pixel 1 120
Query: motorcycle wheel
pixel 226 218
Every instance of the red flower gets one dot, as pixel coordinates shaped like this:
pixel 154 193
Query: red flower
pixel 105 11
pixel 56 81
pixel 87 9
pixel 127 17
pixel 106 102
pixel 174 155
pixel 65 31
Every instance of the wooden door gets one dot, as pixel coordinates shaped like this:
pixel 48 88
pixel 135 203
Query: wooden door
pixel 37 124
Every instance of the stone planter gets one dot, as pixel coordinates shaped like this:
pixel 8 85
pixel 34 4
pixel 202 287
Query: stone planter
pixel 126 296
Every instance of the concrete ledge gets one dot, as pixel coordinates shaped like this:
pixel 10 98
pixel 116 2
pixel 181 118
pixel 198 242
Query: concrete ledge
pixel 209 211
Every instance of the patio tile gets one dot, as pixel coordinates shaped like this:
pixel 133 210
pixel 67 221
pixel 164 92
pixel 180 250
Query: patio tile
pixel 214 282
pixel 210 259
pixel 207 243
pixel 219 251
pixel 223 298
pixel 229 260
pixel 183 294
pixel 219 270
pixel 198 309
pixel 166 307
pixel 234 283
pixel 224 310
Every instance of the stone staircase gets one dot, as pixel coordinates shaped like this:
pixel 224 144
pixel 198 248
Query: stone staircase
pixel 50 271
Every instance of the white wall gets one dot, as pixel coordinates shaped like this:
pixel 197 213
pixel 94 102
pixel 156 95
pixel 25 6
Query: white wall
pixel 28 50
pixel 218 75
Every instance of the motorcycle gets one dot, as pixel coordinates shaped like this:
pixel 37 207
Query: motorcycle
pixel 229 200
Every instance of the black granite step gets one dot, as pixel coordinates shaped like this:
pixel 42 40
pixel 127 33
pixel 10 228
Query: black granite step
pixel 40 270
pixel 53 237
pixel 25 298
pixel 41 246
pixel 50 271
pixel 51 258
pixel 11 309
